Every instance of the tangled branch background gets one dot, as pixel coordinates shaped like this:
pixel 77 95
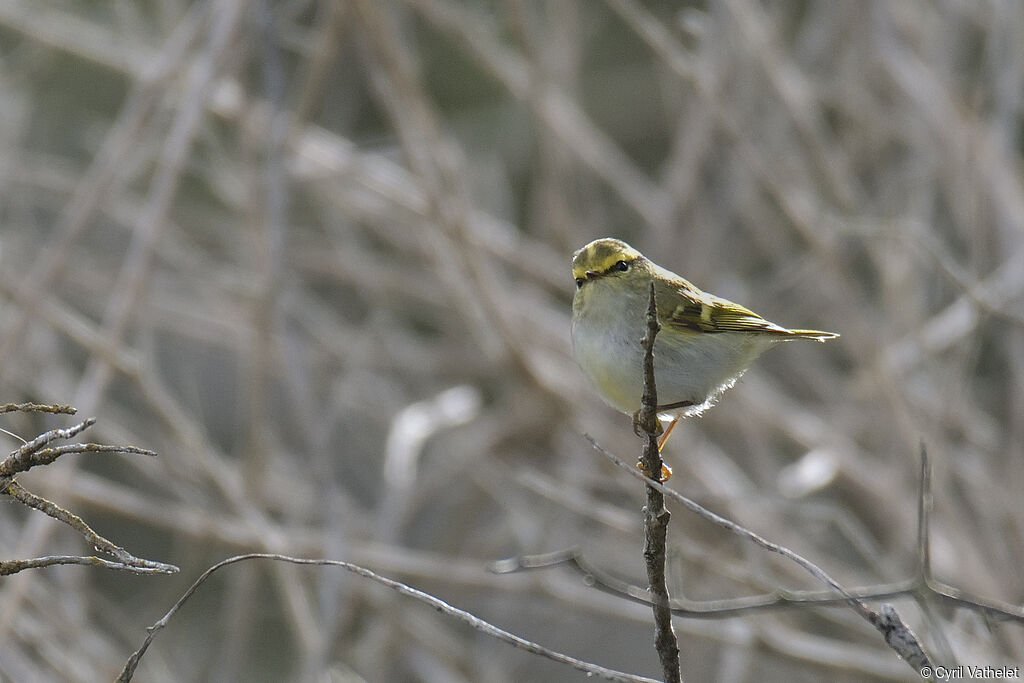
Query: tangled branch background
pixel 315 255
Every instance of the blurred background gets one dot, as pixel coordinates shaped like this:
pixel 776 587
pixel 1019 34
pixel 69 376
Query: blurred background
pixel 316 255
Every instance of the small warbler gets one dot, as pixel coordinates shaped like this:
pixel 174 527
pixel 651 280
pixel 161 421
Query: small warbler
pixel 704 345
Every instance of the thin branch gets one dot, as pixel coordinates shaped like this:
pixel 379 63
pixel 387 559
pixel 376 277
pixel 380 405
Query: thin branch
pixel 711 609
pixel 19 493
pixel 656 515
pixel 37 408
pixel 18 462
pixel 993 609
pixel 14 566
pixel 441 606
pixel 923 586
pixel 52 435
pixel 34 453
pixel 896 633
pixel 777 599
pixel 924 507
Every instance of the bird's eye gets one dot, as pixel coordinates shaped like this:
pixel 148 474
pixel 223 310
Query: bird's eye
pixel 579 282
pixel 621 265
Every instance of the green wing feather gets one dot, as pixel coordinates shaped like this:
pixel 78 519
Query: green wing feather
pixel 685 307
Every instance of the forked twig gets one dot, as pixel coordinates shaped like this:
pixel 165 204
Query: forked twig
pixel 36 453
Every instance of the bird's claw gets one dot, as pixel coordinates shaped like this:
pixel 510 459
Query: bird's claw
pixel 666 472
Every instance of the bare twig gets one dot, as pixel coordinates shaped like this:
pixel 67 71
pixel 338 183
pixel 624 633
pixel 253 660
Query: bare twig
pixel 924 508
pixel 37 408
pixel 778 599
pixel 896 633
pixel 34 453
pixel 52 435
pixel 14 566
pixel 126 559
pixel 20 462
pixel 656 515
pixel 711 609
pixel 440 605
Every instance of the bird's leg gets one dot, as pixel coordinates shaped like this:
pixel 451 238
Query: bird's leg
pixel 675 406
pixel 665 434
pixel 671 425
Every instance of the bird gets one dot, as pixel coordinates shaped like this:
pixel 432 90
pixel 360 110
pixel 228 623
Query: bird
pixel 705 344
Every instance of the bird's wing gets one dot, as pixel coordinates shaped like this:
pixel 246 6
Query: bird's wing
pixel 689 308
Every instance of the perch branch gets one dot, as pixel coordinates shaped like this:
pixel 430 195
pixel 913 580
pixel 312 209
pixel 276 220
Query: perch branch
pixel 896 633
pixel 656 515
